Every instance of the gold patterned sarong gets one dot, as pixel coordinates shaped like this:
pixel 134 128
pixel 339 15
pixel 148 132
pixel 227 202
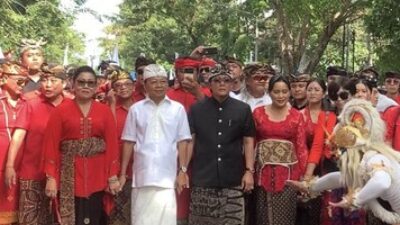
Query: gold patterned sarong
pixel 275 152
pixel 86 147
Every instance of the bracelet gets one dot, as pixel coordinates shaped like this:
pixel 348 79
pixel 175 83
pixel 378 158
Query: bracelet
pixel 308 184
pixel 350 200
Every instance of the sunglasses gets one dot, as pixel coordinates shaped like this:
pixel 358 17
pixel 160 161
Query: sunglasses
pixel 343 95
pixel 188 70
pixel 221 80
pixel 392 81
pixel 86 83
pixel 260 78
pixel 205 70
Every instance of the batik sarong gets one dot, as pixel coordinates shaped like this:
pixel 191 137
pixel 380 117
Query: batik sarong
pixel 85 148
pixel 216 206
pixel 121 213
pixel 33 203
pixel 275 208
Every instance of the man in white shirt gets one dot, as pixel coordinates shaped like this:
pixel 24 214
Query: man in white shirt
pixel 159 128
pixel 256 79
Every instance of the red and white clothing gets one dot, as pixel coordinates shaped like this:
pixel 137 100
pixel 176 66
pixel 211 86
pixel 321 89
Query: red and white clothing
pixel 290 129
pixel 10 118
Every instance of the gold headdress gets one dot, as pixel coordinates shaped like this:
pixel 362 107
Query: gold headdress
pixel 356 127
pixel 118 75
pixel 12 68
pixel 31 44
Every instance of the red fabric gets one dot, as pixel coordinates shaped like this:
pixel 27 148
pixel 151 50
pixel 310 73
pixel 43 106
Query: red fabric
pixel 121 114
pixel 397 99
pixel 186 62
pixel 91 173
pixel 138 93
pixel 17 117
pixel 208 62
pixel 39 112
pixel 272 179
pixel 184 97
pixel 187 100
pixel 326 122
pixel 309 127
pixel 392 119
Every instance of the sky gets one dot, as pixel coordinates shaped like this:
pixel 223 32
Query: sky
pixel 90 26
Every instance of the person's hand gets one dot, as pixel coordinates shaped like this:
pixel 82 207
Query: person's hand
pixel 192 86
pixel 197 52
pixel 182 181
pixel 11 177
pixel 298 185
pixel 111 97
pixel 114 185
pixel 51 188
pixel 122 180
pixel 345 204
pixel 247 182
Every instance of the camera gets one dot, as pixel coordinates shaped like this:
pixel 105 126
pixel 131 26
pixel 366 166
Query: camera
pixel 210 51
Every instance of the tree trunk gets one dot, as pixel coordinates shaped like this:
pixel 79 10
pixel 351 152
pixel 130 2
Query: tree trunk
pixel 285 38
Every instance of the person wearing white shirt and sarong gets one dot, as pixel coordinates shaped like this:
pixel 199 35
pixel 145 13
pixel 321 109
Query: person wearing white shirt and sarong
pixel 159 128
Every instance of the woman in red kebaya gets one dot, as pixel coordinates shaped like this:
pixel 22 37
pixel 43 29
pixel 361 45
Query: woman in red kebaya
pixel 281 155
pixel 81 158
pixel 13 113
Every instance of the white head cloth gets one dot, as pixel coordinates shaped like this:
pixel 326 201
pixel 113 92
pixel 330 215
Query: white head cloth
pixel 154 70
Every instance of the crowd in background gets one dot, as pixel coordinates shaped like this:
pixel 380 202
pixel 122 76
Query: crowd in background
pixel 80 147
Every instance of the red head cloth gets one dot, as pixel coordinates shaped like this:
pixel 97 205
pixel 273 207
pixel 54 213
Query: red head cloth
pixel 186 62
pixel 208 62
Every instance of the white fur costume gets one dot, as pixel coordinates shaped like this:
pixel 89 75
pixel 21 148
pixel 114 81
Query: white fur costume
pixel 369 168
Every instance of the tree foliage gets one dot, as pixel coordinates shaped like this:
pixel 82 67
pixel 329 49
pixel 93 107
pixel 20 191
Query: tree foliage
pixel 294 37
pixel 383 22
pixel 36 19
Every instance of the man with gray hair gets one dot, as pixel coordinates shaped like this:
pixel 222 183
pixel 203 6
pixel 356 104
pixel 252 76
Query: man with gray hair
pixel 158 127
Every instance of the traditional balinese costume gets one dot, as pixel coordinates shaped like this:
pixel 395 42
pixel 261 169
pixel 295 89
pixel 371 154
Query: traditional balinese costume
pixel 26 45
pixel 11 116
pixel 81 153
pixel 33 203
pixel 121 213
pixel 156 129
pixel 187 99
pixel 369 168
pixel 281 155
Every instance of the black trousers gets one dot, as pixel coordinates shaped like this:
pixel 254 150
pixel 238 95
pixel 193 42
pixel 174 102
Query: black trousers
pixel 90 210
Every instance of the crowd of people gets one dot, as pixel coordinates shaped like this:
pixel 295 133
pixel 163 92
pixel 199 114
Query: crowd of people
pixel 223 144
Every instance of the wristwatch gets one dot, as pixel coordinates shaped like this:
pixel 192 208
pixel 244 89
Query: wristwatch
pixel 183 169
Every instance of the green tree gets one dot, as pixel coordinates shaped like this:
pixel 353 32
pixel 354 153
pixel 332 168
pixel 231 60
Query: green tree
pixel 383 22
pixel 36 19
